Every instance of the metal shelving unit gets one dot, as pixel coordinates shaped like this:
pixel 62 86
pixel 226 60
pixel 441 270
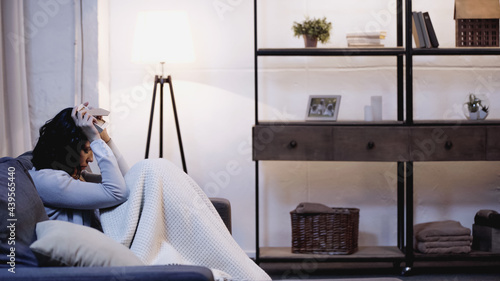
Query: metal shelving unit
pixel 403 252
pixel 365 254
pixel 411 256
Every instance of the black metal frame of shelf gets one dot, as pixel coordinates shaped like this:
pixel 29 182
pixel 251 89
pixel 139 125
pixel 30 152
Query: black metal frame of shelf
pixel 400 53
pixel 256 99
pixel 331 52
pixel 405 170
pixel 408 177
pixel 411 256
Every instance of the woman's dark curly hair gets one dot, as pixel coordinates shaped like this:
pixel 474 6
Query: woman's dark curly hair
pixel 59 144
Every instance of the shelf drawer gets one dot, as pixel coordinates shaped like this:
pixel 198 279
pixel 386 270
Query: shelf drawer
pixel 493 143
pixel 371 144
pixel 463 143
pixel 292 143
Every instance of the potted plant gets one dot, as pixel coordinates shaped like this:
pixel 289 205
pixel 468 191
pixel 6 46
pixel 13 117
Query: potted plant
pixel 476 107
pixel 313 30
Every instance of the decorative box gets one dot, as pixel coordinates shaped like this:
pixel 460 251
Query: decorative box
pixel 476 23
pixel 485 238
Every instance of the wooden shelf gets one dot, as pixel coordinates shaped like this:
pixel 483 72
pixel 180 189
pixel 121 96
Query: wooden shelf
pixel 331 123
pixel 459 51
pixel 460 122
pixel 367 253
pixel 331 51
pixel 474 255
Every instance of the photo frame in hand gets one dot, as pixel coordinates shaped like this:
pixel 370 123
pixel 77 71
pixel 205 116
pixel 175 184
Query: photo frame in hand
pixel 323 108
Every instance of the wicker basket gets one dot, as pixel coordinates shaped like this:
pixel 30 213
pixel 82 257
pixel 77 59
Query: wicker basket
pixel 325 233
pixel 476 33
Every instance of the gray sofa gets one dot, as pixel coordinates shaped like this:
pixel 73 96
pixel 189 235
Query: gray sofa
pixel 21 209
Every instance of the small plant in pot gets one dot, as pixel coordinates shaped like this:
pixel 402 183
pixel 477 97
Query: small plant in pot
pixel 313 30
pixel 477 108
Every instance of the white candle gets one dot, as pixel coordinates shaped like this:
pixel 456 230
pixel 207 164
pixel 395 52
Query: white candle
pixel 368 113
pixel 377 107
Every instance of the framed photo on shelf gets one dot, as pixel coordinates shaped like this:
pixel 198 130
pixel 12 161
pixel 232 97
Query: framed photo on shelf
pixel 323 108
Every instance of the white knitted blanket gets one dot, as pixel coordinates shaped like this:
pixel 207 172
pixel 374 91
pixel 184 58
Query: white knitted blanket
pixel 168 219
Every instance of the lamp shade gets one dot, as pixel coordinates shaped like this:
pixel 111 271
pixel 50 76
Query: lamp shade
pixel 162 36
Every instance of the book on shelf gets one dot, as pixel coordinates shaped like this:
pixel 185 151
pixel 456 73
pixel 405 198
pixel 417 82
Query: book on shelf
pixel 430 30
pixel 366 39
pixel 364 45
pixel 367 34
pixel 427 41
pixel 418 35
pixel 423 30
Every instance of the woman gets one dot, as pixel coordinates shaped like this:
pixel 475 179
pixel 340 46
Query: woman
pixel 67 143
pixel 167 217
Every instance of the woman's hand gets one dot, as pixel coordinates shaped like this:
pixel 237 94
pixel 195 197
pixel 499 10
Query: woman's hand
pixel 104 134
pixel 86 122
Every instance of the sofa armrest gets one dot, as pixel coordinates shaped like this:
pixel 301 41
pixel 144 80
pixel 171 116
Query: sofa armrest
pixel 223 207
pixel 150 273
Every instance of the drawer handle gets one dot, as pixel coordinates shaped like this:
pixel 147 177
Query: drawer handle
pixel 448 145
pixel 292 144
pixel 371 145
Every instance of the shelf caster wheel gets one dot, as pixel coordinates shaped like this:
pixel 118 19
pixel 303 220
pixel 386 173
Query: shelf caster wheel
pixel 406 271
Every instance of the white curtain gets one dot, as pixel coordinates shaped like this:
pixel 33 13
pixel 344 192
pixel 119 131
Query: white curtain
pixel 15 133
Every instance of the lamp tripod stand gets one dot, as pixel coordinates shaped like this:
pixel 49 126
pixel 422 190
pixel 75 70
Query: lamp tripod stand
pixel 162 81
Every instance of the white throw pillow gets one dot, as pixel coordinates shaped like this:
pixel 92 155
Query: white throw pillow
pixel 63 243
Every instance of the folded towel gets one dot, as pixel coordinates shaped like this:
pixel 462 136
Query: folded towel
pixel 448 244
pixel 441 251
pixel 448 238
pixel 432 231
pixel 489 218
pixel 311 208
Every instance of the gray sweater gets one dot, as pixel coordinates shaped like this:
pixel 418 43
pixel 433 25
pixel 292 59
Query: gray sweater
pixel 68 199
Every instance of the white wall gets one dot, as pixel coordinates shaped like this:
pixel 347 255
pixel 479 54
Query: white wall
pixel 215 104
pixel 214 97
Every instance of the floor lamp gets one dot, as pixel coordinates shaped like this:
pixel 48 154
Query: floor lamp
pixel 172 45
pixel 162 81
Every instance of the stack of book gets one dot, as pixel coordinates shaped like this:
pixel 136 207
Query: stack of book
pixel 366 39
pixel 423 31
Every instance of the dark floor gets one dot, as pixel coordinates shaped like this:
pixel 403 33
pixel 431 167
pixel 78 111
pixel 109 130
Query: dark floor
pixel 444 271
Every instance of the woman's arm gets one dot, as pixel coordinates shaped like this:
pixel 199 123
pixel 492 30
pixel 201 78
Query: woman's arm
pixel 119 157
pixel 58 189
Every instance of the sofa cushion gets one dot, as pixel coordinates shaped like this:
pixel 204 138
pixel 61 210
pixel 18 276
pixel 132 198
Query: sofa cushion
pixel 63 243
pixel 18 220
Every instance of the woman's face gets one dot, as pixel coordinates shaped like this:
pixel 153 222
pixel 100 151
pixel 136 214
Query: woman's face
pixel 86 156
